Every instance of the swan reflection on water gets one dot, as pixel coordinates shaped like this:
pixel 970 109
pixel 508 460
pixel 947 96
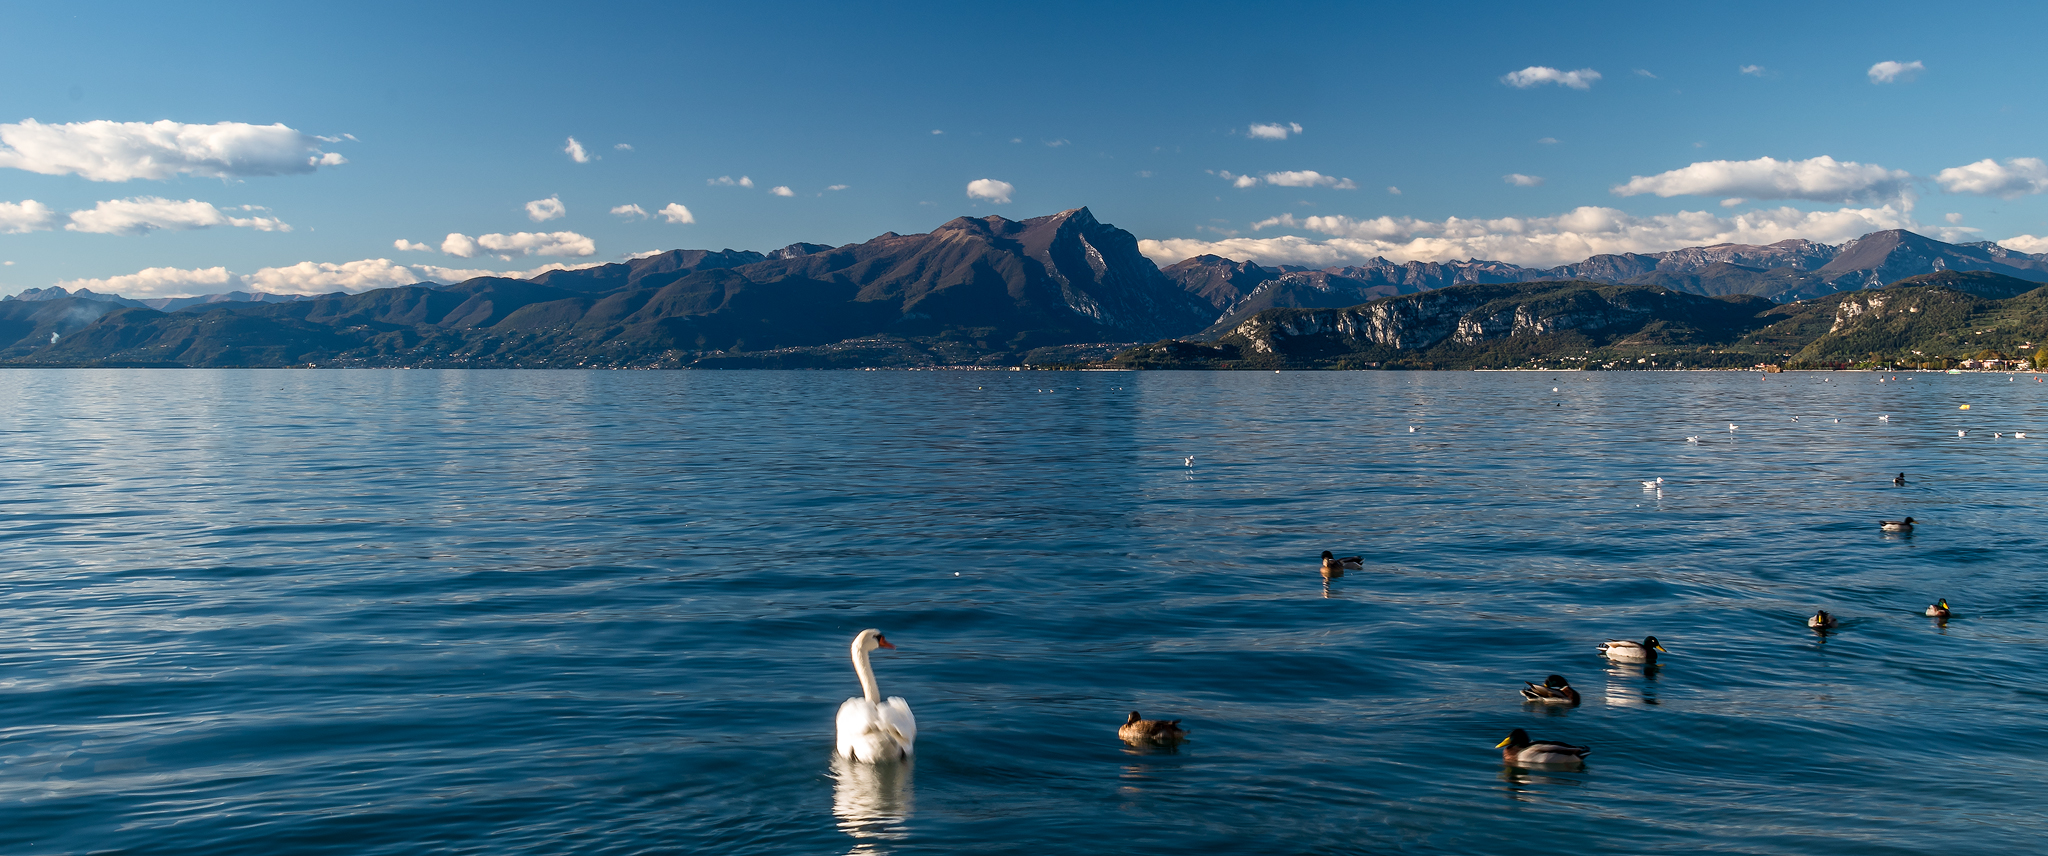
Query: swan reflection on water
pixel 872 801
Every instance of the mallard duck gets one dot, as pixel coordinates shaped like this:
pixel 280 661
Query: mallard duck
pixel 1554 690
pixel 1519 749
pixel 1821 620
pixel 1335 567
pixel 1905 525
pixel 1939 609
pixel 1135 730
pixel 1624 651
pixel 1900 480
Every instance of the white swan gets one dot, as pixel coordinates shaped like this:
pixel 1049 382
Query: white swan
pixel 871 729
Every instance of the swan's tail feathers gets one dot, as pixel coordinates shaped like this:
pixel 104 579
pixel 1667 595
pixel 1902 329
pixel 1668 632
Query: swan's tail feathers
pixel 895 713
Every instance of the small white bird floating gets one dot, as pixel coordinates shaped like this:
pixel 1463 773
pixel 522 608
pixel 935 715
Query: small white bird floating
pixel 1731 426
pixel 1962 433
pixel 1654 485
pixel 1411 429
pixel 1692 439
pixel 872 729
pixel 2020 436
pixel 1191 460
pixel 1884 419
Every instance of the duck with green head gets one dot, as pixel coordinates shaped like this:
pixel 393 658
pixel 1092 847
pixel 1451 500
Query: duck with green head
pixel 1624 651
pixel 1554 690
pixel 1519 749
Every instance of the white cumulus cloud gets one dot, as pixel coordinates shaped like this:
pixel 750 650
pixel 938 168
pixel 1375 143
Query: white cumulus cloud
pixel 158 282
pixel 780 190
pixel 2015 178
pixel 1519 180
pixel 1537 75
pixel 329 277
pixel 519 244
pixel 727 181
pixel 27 215
pixel 404 245
pixel 1820 179
pixel 1274 131
pixel 543 210
pixel 2026 243
pixel 1895 72
pixel 1532 241
pixel 121 151
pixel 151 213
pixel 996 192
pixel 674 212
pixel 629 212
pixel 576 152
pixel 305 278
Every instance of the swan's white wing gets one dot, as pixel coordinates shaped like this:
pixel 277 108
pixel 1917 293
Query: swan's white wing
pixel 895 714
pixel 857 732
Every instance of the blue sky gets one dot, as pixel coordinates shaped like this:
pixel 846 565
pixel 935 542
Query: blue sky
pixel 415 122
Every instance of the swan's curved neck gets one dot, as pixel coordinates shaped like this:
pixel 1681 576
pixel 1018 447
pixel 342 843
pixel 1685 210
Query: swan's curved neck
pixel 867 675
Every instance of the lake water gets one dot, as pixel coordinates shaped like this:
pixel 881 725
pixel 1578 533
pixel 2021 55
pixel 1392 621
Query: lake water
pixel 407 612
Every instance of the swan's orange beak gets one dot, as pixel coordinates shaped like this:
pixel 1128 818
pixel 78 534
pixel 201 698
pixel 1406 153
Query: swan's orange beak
pixel 883 642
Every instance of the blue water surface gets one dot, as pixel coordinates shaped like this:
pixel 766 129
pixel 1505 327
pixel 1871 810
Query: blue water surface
pixel 412 612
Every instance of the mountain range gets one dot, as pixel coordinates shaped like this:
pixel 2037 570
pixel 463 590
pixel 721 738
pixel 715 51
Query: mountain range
pixel 986 291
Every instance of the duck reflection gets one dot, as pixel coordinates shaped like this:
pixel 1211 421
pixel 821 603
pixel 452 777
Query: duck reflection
pixel 1520 779
pixel 872 801
pixel 1623 689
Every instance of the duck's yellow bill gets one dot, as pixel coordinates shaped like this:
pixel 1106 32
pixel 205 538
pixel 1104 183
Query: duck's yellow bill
pixel 1503 742
pixel 1661 648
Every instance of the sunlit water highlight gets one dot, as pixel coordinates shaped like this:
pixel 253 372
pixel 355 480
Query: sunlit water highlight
pixel 387 612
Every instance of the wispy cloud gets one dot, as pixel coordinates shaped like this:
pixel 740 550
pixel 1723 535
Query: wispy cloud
pixel 624 147
pixel 1895 72
pixel 122 151
pixel 1288 178
pixel 629 212
pixel 304 278
pixel 1537 75
pixel 1273 131
pixel 1753 70
pixel 1519 180
pixel 404 245
pixel 575 151
pixel 727 181
pixel 1534 241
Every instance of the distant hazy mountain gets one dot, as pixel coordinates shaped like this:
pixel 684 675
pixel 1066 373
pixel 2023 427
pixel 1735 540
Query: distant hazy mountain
pixel 983 289
pixel 1784 271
